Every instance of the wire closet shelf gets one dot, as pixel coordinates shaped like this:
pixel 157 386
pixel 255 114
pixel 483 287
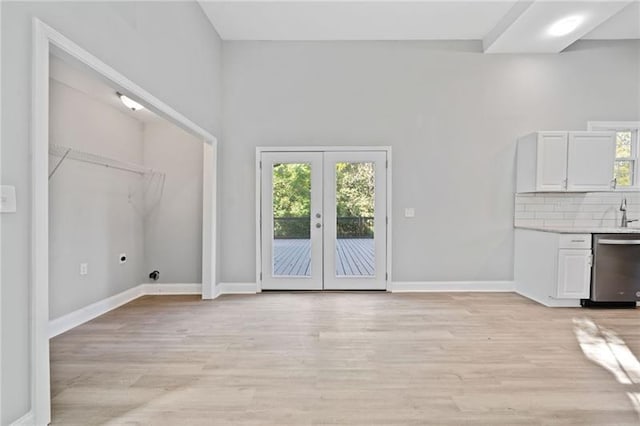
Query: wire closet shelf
pixel 144 198
pixel 65 152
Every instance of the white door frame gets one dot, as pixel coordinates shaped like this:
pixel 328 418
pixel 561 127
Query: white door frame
pixel 45 39
pixel 260 150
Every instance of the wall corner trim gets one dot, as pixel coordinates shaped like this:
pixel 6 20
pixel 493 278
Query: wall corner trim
pixel 73 319
pixel 26 420
pixel 452 286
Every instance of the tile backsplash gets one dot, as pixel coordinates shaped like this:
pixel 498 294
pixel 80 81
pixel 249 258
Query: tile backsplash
pixel 575 210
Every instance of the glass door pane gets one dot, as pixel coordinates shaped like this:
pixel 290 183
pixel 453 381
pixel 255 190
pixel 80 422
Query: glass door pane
pixel 291 236
pixel 355 219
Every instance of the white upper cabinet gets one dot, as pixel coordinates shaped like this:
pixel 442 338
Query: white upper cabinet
pixel 591 161
pixel 551 169
pixel 565 161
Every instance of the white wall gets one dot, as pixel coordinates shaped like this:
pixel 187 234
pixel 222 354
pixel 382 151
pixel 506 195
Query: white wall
pixel 452 115
pixel 179 64
pixel 91 219
pixel 173 225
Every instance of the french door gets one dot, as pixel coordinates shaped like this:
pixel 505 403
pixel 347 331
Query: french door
pixel 323 220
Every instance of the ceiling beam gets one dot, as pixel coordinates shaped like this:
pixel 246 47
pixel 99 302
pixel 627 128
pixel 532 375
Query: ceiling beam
pixel 507 20
pixel 525 28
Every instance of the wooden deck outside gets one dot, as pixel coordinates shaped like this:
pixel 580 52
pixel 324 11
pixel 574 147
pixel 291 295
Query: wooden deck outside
pixel 292 257
pixel 355 257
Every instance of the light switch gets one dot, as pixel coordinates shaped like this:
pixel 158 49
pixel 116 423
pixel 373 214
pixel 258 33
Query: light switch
pixel 7 199
pixel 410 212
pixel 84 268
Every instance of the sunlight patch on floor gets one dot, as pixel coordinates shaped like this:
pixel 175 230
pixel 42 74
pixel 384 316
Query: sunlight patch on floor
pixel 607 349
pixel 604 347
pixel 635 401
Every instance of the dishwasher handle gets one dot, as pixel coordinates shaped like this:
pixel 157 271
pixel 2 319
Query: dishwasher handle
pixel 619 242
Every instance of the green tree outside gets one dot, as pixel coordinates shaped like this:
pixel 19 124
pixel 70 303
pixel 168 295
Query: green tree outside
pixel 355 184
pixel 623 169
pixel 355 187
pixel 291 190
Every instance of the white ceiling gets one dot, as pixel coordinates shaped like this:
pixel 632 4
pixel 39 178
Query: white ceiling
pixel 79 79
pixel 359 20
pixel 623 25
pixel 421 20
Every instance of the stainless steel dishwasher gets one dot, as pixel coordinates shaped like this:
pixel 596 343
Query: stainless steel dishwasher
pixel 615 276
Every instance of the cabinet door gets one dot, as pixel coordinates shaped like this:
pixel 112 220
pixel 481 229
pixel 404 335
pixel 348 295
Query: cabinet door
pixel 574 274
pixel 552 161
pixel 591 161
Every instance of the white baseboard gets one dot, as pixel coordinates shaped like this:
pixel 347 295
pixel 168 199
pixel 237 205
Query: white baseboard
pixel 399 287
pixel 26 420
pixel 73 319
pixel 453 286
pixel 168 289
pixel 237 288
pixel 550 302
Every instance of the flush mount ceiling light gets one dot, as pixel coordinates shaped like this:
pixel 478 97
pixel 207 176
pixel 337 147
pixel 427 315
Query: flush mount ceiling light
pixel 565 26
pixel 129 103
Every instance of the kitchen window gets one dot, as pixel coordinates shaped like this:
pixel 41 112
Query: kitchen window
pixel 627 151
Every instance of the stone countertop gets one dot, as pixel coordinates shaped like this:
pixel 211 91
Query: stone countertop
pixel 559 230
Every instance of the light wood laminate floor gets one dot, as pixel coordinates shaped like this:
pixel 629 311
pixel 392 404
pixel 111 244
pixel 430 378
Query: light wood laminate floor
pixel 348 358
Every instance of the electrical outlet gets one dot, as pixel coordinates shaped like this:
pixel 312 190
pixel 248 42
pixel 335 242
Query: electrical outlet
pixel 123 258
pixel 84 268
pixel 409 212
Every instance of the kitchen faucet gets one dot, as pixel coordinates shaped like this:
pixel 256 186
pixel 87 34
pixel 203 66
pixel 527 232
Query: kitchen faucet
pixel 623 208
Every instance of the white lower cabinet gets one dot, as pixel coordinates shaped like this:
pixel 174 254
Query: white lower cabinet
pixel 574 273
pixel 551 268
